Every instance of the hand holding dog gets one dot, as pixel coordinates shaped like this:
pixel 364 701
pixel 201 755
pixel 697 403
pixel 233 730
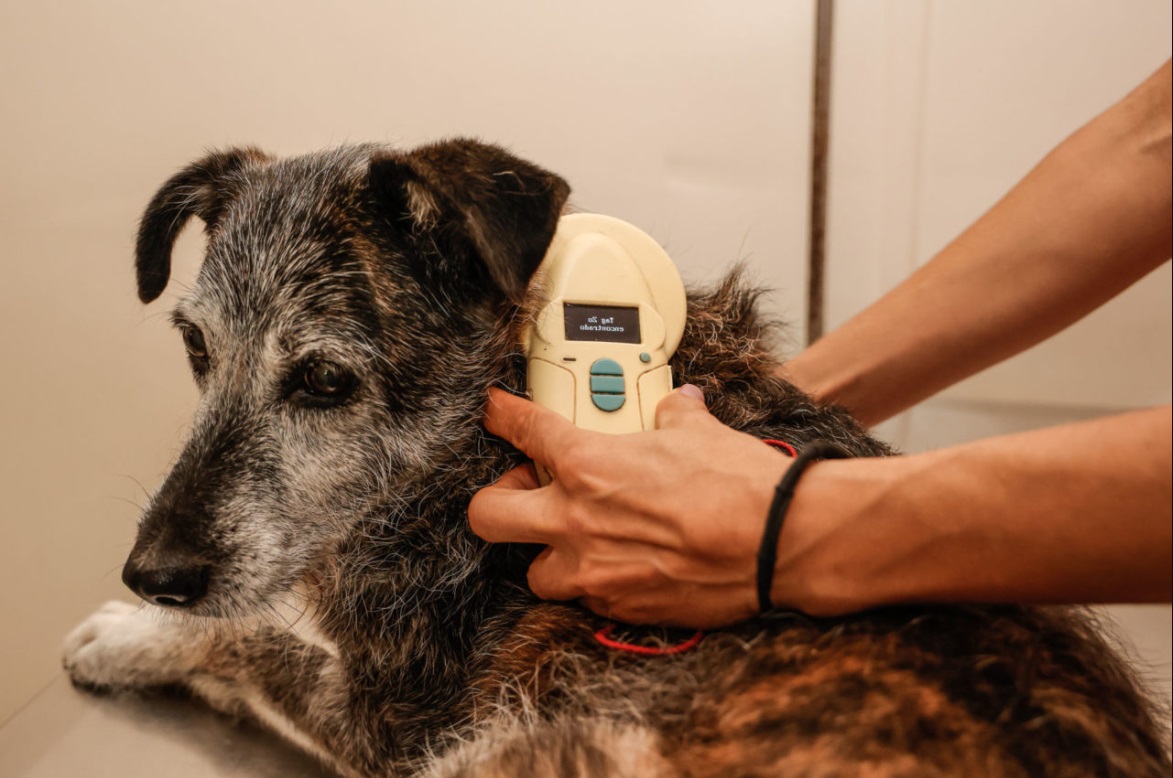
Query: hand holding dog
pixel 661 527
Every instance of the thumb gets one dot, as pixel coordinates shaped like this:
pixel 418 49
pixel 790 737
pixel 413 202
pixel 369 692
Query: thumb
pixel 538 432
pixel 682 408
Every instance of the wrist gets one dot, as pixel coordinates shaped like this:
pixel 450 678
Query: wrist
pixel 802 577
pixel 783 498
pixel 833 552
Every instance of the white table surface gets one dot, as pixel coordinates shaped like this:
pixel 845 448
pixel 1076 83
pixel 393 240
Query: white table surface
pixel 66 733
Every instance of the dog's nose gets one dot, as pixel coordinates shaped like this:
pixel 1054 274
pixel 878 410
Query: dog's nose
pixel 173 587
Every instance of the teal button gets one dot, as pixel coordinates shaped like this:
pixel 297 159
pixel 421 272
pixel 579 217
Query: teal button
pixel 645 357
pixel 607 383
pixel 608 402
pixel 606 367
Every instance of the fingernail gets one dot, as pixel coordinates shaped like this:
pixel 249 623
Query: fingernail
pixel 693 391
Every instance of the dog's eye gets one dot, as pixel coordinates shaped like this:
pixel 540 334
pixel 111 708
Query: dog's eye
pixel 327 380
pixel 193 341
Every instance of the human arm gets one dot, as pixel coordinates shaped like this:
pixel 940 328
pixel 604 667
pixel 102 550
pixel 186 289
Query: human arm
pixel 664 526
pixel 1092 218
pixel 1078 513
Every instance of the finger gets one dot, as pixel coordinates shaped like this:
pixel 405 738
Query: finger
pixel 598 606
pixel 651 613
pixel 538 432
pixel 606 587
pixel 512 511
pixel 551 576
pixel 521 478
pixel 684 407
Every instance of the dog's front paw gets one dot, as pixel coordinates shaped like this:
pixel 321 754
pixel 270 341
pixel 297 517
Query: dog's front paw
pixel 129 646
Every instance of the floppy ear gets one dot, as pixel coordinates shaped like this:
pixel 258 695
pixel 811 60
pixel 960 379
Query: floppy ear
pixel 201 189
pixel 503 210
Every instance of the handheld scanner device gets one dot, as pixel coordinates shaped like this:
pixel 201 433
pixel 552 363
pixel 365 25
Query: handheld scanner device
pixel 598 350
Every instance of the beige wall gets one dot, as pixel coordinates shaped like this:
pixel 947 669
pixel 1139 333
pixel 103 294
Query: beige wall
pixel 689 119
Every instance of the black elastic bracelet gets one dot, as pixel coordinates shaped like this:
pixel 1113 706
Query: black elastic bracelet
pixel 783 494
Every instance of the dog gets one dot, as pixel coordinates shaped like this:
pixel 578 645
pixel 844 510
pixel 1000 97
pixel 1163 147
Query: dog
pixel 307 563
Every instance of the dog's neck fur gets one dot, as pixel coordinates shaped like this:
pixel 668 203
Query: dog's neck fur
pixel 409 593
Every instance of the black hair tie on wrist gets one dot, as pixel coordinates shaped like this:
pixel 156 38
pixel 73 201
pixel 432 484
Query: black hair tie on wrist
pixel 783 494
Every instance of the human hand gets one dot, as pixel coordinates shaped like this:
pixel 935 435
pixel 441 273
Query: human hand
pixel 652 527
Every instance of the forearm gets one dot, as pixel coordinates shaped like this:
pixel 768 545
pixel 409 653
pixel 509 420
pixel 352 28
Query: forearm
pixel 1079 513
pixel 1087 222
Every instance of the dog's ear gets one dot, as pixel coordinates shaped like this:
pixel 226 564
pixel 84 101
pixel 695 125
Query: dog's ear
pixel 502 208
pixel 201 189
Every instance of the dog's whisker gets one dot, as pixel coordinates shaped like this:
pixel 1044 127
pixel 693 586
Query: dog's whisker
pixel 117 498
pixel 139 484
pixel 115 569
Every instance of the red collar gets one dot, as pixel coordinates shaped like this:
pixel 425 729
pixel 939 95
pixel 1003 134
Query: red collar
pixel 604 638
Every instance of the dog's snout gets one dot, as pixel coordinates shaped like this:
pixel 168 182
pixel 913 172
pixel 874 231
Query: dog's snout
pixel 174 587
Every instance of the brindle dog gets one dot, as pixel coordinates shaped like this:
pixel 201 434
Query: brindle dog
pixel 310 565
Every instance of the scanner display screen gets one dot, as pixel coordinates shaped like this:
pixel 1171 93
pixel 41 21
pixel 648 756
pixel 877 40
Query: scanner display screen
pixel 608 323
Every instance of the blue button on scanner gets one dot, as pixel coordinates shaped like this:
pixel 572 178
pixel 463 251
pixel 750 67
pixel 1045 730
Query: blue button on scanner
pixel 606 367
pixel 608 402
pixel 607 383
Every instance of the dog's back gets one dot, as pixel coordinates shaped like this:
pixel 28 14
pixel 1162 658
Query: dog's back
pixel 949 690
pixel 352 311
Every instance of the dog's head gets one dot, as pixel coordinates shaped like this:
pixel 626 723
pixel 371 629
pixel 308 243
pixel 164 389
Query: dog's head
pixel 339 328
